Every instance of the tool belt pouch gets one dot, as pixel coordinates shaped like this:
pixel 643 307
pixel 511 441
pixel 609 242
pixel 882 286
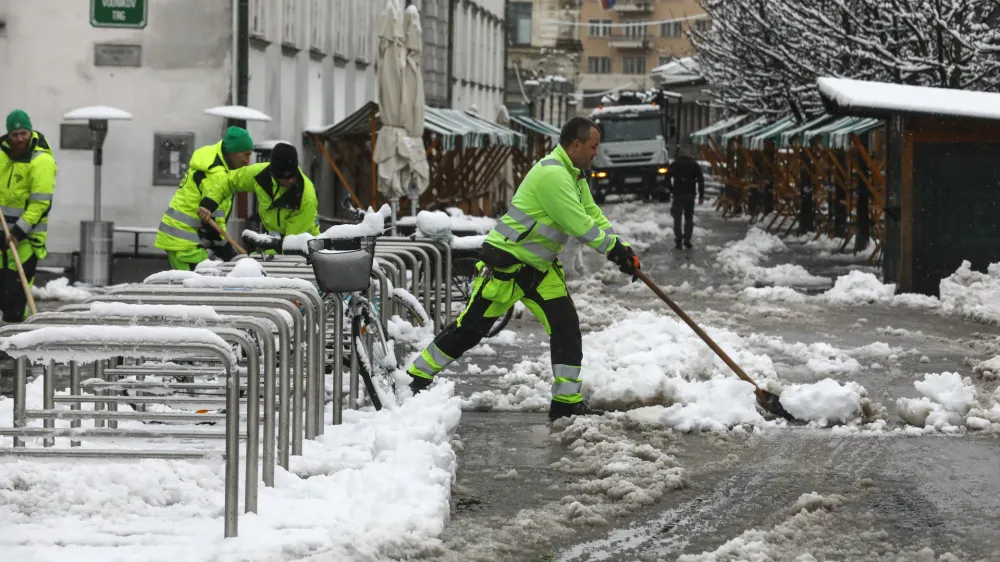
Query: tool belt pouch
pixel 503 271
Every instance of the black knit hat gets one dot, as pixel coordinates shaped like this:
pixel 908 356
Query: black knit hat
pixel 284 161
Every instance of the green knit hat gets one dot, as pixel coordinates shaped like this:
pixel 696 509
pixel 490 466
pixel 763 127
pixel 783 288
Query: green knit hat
pixel 18 120
pixel 237 139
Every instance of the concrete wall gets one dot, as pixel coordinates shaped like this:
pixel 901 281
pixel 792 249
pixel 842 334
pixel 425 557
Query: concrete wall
pixel 477 78
pixel 47 64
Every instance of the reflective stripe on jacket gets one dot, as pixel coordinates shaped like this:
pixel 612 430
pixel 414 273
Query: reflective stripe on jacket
pixel 180 224
pixel 552 204
pixel 27 184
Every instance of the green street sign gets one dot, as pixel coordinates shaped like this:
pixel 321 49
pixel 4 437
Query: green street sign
pixel 119 13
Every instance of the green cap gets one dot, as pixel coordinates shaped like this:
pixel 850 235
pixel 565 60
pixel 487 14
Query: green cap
pixel 18 120
pixel 237 139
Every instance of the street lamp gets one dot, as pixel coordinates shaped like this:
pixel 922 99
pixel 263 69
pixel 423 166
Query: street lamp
pixel 97 237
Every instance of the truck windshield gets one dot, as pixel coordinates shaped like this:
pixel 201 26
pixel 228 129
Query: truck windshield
pixel 622 130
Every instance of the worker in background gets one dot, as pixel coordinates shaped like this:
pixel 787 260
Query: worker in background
pixel 286 198
pixel 520 263
pixel 684 177
pixel 28 176
pixel 182 234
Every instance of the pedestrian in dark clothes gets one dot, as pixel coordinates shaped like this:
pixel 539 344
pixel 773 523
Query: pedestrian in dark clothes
pixel 685 177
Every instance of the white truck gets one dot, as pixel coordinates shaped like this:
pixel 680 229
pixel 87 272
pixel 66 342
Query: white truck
pixel 632 157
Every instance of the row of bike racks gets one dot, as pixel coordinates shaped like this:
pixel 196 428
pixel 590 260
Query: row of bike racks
pixel 262 340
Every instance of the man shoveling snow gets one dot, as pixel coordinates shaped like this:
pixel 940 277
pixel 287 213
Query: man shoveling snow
pixel 519 262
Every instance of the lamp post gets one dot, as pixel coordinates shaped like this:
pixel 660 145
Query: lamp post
pixel 97 237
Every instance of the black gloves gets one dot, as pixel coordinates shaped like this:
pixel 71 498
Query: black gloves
pixel 17 233
pixel 623 256
pixel 209 234
pixel 225 253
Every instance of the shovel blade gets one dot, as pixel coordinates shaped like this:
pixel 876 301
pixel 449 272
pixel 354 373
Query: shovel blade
pixel 770 402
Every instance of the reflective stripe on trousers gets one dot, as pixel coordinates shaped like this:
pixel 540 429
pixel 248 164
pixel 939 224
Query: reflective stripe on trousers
pixel 566 382
pixel 429 363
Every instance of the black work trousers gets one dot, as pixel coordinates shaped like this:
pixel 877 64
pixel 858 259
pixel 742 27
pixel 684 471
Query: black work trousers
pixel 683 208
pixel 12 298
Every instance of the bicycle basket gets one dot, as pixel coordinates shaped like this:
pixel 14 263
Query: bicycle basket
pixel 342 266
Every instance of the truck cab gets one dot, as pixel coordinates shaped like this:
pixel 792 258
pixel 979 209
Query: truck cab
pixel 632 157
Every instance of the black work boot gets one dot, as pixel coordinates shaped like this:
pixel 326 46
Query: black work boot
pixel 677 244
pixel 419 383
pixel 687 244
pixel 563 410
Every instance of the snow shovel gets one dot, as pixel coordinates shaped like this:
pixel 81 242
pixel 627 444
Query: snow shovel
pixel 768 400
pixel 20 268
pixel 225 235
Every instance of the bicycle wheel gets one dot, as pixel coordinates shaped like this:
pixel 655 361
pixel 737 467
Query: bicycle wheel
pixel 407 311
pixel 376 359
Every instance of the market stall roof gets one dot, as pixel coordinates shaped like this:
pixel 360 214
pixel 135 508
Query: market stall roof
pixel 447 124
pixel 535 125
pixel 859 98
pixel 841 138
pixel 789 134
pixel 770 132
pixel 750 127
pixel 701 136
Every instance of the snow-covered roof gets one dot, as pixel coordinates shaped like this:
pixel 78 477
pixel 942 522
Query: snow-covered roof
pixel 859 98
pixel 680 71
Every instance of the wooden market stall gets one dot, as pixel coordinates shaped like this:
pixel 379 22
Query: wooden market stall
pixel 941 177
pixel 464 152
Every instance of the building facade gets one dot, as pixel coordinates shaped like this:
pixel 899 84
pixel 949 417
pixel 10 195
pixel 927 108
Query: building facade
pixel 543 42
pixel 478 56
pixel 311 63
pixel 622 45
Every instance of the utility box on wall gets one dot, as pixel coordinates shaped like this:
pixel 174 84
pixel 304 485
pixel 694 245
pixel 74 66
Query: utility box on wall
pixel 171 154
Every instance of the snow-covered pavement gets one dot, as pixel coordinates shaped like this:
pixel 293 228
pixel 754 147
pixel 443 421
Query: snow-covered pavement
pixel 897 460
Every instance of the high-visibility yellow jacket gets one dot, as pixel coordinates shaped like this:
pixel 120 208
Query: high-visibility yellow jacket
pixel 552 204
pixel 180 224
pixel 283 211
pixel 27 184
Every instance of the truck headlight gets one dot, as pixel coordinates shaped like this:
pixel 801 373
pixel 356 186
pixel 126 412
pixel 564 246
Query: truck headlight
pixel 602 174
pixel 662 171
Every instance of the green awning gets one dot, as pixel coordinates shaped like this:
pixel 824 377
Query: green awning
pixel 841 138
pixel 536 126
pixel 770 132
pixel 788 135
pixel 447 124
pixel 751 127
pixel 824 131
pixel 701 136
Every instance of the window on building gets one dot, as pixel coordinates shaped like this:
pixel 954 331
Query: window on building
pixel 363 32
pixel 598 65
pixel 633 65
pixel 665 60
pixel 671 29
pixel 634 29
pixel 702 25
pixel 317 35
pixel 290 22
pixel 599 28
pixel 257 19
pixel 519 23
pixel 345 37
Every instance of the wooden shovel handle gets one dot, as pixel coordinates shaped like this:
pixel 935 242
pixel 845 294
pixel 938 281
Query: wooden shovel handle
pixel 697 329
pixel 20 267
pixel 225 235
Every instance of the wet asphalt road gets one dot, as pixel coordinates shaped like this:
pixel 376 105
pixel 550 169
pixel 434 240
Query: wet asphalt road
pixel 895 495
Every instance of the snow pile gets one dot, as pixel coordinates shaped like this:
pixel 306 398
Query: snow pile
pixel 372 224
pixel 247 267
pixel 170 276
pixel 857 288
pixel 772 294
pixel 59 290
pixel 973 295
pixel 209 267
pixel 208 282
pixel 343 499
pixel 448 221
pixel 742 259
pixel 825 402
pixel 947 400
pixel 713 405
pixel 50 342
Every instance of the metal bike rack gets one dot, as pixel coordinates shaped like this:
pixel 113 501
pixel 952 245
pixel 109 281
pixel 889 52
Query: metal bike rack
pixel 442 252
pixel 257 326
pixel 107 350
pixel 315 423
pixel 232 298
